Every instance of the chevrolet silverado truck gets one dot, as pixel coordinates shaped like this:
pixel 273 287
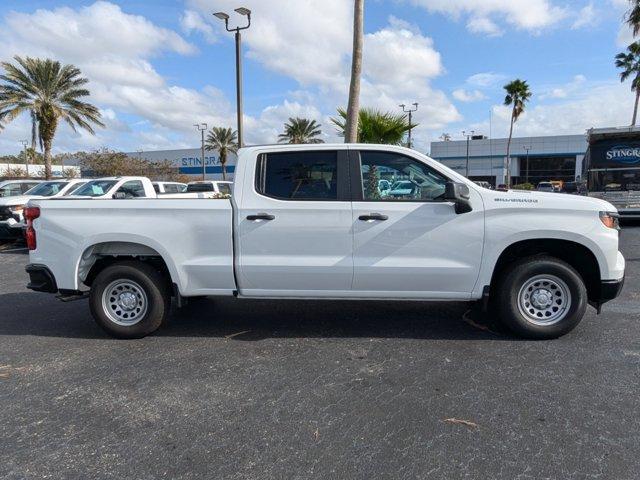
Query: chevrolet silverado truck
pixel 311 222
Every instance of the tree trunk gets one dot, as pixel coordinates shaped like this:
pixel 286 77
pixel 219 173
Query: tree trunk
pixel 635 108
pixel 507 179
pixel 47 159
pixel 353 107
pixel 223 164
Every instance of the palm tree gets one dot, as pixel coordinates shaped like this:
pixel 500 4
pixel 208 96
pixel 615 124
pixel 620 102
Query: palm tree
pixel 376 127
pixel 630 64
pixel 518 94
pixel 49 92
pixel 353 106
pixel 301 130
pixel 225 140
pixel 633 16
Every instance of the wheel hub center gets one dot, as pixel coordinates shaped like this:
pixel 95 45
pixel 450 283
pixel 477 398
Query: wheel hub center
pixel 127 300
pixel 542 298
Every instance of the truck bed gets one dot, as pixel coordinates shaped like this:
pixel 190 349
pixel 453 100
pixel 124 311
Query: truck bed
pixel 194 237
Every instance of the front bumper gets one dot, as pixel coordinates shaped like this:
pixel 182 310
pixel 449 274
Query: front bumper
pixel 609 289
pixel 41 279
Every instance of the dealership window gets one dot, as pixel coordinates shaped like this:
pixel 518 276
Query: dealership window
pixel 298 175
pixel 393 177
pixel 614 180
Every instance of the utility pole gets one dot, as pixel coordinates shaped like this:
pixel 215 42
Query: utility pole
pixel 468 135
pixel 527 148
pixel 26 159
pixel 203 128
pixel 409 111
pixel 223 16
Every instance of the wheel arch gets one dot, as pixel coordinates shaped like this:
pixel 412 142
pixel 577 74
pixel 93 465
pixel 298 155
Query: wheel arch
pixel 98 256
pixel 579 256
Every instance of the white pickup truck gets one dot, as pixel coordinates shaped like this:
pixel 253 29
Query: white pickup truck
pixel 312 222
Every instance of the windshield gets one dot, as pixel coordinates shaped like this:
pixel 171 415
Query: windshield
pixel 95 188
pixel 47 189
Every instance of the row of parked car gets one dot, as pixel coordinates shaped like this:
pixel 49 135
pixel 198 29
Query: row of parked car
pixel 15 194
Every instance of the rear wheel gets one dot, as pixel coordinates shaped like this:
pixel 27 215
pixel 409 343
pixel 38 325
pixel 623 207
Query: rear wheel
pixel 541 297
pixel 129 299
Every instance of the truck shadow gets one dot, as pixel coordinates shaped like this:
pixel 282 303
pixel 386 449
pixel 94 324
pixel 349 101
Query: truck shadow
pixel 30 313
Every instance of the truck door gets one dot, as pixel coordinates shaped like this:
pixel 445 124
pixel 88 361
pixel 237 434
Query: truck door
pixel 408 241
pixel 294 225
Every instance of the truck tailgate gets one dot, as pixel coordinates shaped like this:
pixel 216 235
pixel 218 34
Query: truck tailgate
pixel 193 237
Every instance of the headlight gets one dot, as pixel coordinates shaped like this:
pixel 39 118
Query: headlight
pixel 610 220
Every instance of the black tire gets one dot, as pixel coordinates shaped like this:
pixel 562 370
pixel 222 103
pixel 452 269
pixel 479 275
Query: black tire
pixel 145 283
pixel 512 280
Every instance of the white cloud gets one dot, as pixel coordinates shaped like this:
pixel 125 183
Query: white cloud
pixel 595 105
pixel 484 25
pixel 192 21
pixel 587 17
pixel 563 91
pixel 311 43
pixel 113 49
pixel 532 15
pixel 486 79
pixel 468 96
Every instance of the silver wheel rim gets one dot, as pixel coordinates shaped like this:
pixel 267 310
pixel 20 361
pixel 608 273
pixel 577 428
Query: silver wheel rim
pixel 544 300
pixel 124 302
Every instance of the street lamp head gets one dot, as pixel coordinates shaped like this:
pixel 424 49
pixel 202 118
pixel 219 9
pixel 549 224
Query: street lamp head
pixel 243 11
pixel 402 105
pixel 415 104
pixel 221 16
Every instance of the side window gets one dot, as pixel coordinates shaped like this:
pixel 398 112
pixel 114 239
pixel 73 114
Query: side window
pixel 298 175
pixel 27 186
pixel 156 187
pixel 132 189
pixel 393 177
pixel 224 188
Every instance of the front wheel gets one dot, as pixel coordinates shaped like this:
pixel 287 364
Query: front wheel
pixel 541 298
pixel 129 299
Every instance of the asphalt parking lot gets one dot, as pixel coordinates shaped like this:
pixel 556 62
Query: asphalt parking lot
pixel 259 389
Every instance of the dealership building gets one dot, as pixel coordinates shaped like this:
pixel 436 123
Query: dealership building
pixel 189 161
pixel 533 159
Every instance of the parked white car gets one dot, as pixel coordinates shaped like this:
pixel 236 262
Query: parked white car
pixel 11 188
pixel 302 223
pixel 169 187
pixel 11 208
pixel 116 188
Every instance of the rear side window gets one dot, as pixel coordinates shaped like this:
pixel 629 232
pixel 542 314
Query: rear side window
pixel 224 188
pixel 132 189
pixel 200 187
pixel 298 175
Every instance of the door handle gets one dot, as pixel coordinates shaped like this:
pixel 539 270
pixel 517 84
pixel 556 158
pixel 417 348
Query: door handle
pixel 373 216
pixel 261 216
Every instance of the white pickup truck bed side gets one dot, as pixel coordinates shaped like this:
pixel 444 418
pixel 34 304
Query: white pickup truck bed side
pixel 193 237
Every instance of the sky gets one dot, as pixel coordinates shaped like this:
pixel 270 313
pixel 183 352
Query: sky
pixel 158 67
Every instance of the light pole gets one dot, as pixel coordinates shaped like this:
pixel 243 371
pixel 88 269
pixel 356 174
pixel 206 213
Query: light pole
pixel 409 111
pixel 203 128
pixel 527 148
pixel 468 135
pixel 24 150
pixel 223 16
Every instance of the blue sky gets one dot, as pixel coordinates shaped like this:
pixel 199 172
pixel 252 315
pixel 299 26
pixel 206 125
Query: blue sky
pixel 156 68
